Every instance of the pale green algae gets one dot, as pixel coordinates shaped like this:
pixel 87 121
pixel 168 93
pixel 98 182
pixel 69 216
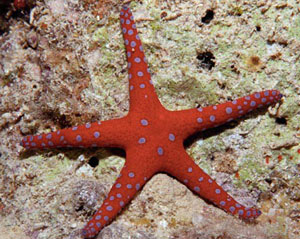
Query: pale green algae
pixel 294 30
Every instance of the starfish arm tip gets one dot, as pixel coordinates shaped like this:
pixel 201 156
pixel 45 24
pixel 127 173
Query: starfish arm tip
pixel 130 180
pixel 199 119
pixel 141 90
pixel 251 214
pixel 98 134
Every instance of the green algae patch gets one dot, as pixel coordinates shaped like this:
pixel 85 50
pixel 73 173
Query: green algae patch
pixel 106 164
pixel 57 168
pixel 49 169
pixel 250 171
pixel 100 35
pixel 294 30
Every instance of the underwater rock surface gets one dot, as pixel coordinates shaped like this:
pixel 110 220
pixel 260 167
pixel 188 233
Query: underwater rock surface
pixel 62 63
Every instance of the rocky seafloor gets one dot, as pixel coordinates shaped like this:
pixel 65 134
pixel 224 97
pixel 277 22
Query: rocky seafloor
pixel 62 63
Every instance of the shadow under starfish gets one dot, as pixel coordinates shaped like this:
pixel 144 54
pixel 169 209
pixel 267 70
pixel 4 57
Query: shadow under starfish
pixel 152 138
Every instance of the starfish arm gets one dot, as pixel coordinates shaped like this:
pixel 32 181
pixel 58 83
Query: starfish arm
pixel 141 90
pixel 199 119
pixel 135 173
pixel 190 174
pixel 98 134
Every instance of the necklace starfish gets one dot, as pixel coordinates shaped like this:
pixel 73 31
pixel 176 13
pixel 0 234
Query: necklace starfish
pixel 153 138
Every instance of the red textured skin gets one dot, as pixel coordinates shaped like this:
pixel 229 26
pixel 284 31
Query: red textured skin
pixel 153 139
pixel 19 4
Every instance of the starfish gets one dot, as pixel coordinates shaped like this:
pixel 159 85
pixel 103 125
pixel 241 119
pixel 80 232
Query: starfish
pixel 152 137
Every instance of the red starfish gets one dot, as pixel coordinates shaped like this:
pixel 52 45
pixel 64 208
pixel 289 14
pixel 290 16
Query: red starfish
pixel 153 138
